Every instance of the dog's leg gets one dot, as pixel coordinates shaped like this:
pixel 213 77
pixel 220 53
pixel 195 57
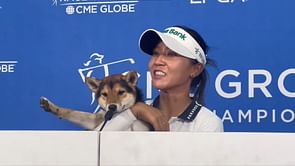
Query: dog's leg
pixel 87 120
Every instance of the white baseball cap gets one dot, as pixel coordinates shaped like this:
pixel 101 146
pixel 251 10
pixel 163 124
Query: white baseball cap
pixel 175 38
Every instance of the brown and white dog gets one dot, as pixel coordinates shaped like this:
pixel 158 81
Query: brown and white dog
pixel 118 92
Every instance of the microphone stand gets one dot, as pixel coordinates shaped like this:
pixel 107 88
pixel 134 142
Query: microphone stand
pixel 108 116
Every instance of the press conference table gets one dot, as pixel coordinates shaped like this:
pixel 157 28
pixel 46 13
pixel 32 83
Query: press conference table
pixel 91 148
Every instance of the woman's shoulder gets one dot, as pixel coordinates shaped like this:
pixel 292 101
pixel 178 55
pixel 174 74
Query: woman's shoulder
pixel 208 120
pixel 204 111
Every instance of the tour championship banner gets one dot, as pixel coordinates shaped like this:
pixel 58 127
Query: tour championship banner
pixel 48 47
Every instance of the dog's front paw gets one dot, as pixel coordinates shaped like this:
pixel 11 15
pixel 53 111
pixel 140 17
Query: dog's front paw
pixel 45 104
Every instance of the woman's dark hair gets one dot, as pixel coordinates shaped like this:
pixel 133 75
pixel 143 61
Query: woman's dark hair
pixel 199 83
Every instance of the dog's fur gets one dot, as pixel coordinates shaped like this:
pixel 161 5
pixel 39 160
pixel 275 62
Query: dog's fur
pixel 119 91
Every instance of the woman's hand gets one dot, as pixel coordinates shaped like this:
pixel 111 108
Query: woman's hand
pixel 151 115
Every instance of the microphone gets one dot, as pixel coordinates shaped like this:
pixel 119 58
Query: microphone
pixel 109 114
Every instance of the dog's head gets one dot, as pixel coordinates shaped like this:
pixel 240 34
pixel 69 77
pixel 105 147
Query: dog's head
pixel 116 91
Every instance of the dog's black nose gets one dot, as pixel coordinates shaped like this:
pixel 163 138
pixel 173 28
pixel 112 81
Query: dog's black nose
pixel 112 107
pixel 109 114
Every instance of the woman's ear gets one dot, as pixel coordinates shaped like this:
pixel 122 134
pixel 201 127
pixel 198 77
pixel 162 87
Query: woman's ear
pixel 197 70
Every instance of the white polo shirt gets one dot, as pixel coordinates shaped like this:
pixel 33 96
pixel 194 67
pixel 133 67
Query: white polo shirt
pixel 195 118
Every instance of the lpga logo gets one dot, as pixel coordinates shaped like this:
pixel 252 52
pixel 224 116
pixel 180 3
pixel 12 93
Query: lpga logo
pixel 96 6
pixel 95 64
pixel 219 1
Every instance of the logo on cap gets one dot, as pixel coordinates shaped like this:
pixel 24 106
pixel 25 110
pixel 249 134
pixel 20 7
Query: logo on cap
pixel 176 33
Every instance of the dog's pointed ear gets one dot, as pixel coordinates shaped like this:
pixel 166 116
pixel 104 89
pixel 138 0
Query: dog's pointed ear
pixel 92 83
pixel 132 77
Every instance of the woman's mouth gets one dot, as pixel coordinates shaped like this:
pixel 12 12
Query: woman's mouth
pixel 159 73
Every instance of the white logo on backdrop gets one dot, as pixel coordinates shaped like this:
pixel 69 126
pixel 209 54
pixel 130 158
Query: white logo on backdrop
pixel 218 1
pixel 264 113
pixel 96 6
pixel 7 66
pixel 94 63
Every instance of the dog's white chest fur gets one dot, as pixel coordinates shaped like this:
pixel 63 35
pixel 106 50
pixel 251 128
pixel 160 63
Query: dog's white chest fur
pixel 124 121
pixel 139 126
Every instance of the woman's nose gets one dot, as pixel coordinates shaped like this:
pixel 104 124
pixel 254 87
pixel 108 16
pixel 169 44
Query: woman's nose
pixel 160 59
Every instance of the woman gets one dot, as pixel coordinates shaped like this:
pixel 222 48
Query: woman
pixel 177 67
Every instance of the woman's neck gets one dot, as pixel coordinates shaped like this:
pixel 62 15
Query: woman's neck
pixel 173 104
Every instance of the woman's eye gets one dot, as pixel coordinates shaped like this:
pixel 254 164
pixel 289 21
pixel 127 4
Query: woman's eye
pixel 156 53
pixel 172 54
pixel 121 92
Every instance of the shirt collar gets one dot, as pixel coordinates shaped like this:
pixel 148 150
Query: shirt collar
pixel 189 114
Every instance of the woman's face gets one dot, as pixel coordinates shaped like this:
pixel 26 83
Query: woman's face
pixel 171 71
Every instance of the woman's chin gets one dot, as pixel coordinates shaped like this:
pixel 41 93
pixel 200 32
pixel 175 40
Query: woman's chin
pixel 159 86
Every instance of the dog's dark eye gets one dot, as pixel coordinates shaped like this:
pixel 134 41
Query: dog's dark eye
pixel 121 92
pixel 104 94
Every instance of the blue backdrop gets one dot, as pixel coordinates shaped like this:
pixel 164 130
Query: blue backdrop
pixel 48 47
